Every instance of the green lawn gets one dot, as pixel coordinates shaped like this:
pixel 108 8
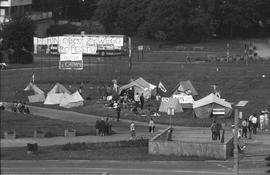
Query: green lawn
pixel 24 125
pixel 237 81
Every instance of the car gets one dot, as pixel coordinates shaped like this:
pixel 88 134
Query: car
pixel 3 66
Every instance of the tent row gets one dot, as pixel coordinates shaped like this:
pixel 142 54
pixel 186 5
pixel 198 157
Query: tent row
pixel 58 95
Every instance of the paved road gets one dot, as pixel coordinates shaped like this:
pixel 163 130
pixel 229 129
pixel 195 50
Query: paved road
pixel 133 167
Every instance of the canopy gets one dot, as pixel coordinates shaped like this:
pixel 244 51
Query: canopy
pixel 185 86
pixel 38 93
pixel 170 103
pixel 212 105
pixel 73 100
pixel 56 94
pixel 59 88
pixel 140 86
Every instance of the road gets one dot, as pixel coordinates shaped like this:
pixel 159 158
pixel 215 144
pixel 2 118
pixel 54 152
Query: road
pixel 131 167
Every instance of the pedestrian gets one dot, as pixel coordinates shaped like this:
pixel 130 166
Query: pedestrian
pixel 132 130
pixel 214 130
pixel 266 118
pixel 223 125
pixel 218 130
pixel 118 111
pixel 244 128
pixel 97 126
pixel 102 127
pixel 142 101
pixel 137 100
pixel 261 117
pixel 249 127
pixel 151 126
pixel 254 121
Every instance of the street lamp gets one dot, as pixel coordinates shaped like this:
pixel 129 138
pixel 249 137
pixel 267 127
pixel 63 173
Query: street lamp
pixel 238 106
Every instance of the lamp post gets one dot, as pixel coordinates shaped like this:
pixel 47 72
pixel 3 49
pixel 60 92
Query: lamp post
pixel 239 105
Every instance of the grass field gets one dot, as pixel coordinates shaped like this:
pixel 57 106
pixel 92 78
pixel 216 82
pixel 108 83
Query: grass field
pixel 237 81
pixel 24 125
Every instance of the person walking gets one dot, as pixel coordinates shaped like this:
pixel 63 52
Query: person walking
pixel 132 130
pixel 249 127
pixel 142 101
pixel 218 130
pixel 151 126
pixel 118 111
pixel 244 128
pixel 97 126
pixel 261 117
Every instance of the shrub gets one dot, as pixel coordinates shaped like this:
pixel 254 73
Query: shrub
pixel 49 134
pixel 62 29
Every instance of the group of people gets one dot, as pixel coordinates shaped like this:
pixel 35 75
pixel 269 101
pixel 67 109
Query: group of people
pixel 250 126
pixel 215 130
pixel 20 107
pixel 151 128
pixel 103 128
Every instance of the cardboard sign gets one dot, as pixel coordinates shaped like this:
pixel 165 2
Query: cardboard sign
pixel 184 98
pixel 71 61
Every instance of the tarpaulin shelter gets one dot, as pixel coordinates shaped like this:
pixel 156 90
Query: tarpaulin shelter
pixel 212 105
pixel 38 93
pixel 56 94
pixel 185 87
pixel 140 86
pixel 71 101
pixel 169 102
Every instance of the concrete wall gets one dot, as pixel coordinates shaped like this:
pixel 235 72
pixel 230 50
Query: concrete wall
pixel 215 150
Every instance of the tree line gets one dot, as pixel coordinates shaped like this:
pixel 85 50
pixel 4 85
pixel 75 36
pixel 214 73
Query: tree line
pixel 175 20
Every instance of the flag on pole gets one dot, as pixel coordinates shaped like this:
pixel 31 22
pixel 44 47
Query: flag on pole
pixel 33 78
pixel 161 86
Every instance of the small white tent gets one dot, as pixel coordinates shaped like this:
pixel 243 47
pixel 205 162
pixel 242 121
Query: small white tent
pixel 38 93
pixel 56 94
pixel 71 101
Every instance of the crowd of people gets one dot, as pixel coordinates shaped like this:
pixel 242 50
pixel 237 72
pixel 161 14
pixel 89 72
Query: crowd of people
pixel 20 107
pixel 103 128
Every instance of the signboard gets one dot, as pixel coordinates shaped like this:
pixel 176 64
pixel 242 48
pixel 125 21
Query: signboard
pixel 170 111
pixel 140 48
pixel 71 61
pixel 184 98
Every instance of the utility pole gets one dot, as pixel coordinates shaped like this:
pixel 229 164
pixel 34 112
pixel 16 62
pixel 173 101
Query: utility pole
pixel 235 141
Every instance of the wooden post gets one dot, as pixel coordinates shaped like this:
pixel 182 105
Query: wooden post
pixel 235 153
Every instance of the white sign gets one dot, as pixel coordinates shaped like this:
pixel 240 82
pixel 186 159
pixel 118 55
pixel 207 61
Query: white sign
pixel 184 98
pixel 71 61
pixel 170 111
pixel 140 48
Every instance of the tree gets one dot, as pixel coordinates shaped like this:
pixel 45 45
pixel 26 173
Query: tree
pixel 92 27
pixel 61 29
pixel 18 36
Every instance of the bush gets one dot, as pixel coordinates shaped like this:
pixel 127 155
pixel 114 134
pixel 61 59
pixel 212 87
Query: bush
pixel 58 30
pixel 49 134
pixel 21 57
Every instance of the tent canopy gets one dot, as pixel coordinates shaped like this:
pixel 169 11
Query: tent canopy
pixel 184 86
pixel 140 86
pixel 34 88
pixel 59 88
pixel 170 103
pixel 211 98
pixel 211 105
pixel 73 100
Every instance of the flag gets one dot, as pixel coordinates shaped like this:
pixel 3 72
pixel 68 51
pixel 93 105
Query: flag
pixel 33 78
pixel 160 86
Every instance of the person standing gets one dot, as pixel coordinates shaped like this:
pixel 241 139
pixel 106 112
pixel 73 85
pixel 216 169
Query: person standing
pixel 218 130
pixel 137 100
pixel 261 117
pixel 213 130
pixel 244 128
pixel 97 127
pixel 132 130
pixel 254 121
pixel 118 111
pixel 142 101
pixel 151 126
pixel 102 127
pixel 249 127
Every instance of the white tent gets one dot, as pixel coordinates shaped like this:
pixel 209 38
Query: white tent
pixel 57 94
pixel 140 86
pixel 71 101
pixel 170 103
pixel 38 93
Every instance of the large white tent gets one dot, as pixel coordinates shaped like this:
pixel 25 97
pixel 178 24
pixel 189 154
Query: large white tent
pixel 71 101
pixel 212 105
pixel 38 93
pixel 140 86
pixel 56 94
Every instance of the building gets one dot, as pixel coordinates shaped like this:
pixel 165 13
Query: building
pixel 12 8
